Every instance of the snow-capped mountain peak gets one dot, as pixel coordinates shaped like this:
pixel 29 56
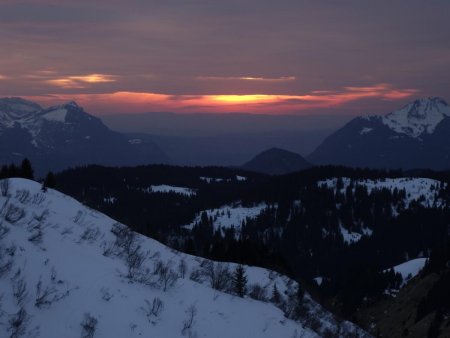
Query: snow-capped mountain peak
pixel 72 104
pixel 418 117
pixel 18 107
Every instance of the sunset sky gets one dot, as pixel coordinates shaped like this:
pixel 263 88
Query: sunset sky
pixel 255 56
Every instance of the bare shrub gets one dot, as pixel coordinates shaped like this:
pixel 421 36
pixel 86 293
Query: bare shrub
pixel 90 235
pixel 188 323
pixel 78 217
pixel 5 267
pixel 88 326
pixel 4 229
pixel 67 231
pixel 125 241
pixel 257 292
pixel 312 322
pixel 182 268
pixel 42 217
pixel 4 187
pixel 38 198
pixel 197 276
pixel 14 214
pixel 6 262
pixel 19 287
pixel 36 237
pixel 47 295
pixel 18 323
pixel 135 258
pixel 11 250
pixel 218 274
pixel 106 294
pixel 23 196
pixel 152 310
pixel 127 247
pixel 109 248
pixel 166 276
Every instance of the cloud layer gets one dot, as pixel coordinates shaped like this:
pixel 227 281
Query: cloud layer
pixel 247 55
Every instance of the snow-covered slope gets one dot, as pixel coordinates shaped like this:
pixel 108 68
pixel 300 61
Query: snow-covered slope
pixel 70 271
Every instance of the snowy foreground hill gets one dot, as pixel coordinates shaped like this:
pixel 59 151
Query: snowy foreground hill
pixel 70 271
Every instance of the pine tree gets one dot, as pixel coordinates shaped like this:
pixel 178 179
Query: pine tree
pixel 49 181
pixel 26 170
pixel 275 295
pixel 240 281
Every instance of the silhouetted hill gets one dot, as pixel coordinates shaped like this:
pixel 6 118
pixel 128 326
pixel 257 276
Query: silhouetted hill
pixel 277 161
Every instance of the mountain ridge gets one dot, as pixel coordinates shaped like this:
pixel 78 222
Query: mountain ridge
pixel 65 135
pixel 415 136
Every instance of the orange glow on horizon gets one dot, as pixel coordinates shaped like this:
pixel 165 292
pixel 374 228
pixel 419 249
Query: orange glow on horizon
pixel 242 99
pixel 251 103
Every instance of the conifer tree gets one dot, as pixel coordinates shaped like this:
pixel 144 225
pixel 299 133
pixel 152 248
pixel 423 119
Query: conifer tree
pixel 26 170
pixel 240 281
pixel 275 294
pixel 49 181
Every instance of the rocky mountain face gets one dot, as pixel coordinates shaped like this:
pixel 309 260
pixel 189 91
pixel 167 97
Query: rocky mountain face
pixel 416 136
pixel 63 136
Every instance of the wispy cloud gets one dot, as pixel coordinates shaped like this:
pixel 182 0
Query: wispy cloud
pixel 80 81
pixel 247 78
pixel 3 77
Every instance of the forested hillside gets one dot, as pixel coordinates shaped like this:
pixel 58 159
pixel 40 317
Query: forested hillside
pixel 341 230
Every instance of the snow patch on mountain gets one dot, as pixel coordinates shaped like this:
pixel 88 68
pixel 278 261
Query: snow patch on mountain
pixel 365 130
pixel 68 271
pixel 349 236
pixel 57 115
pixel 409 269
pixel 163 188
pixel 229 216
pixel 213 179
pixel 418 117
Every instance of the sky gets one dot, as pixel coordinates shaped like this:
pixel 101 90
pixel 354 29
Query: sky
pixel 248 56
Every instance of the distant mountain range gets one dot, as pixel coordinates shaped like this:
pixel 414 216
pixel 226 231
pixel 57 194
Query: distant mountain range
pixel 416 136
pixel 58 137
pixel 276 161
pixel 64 136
